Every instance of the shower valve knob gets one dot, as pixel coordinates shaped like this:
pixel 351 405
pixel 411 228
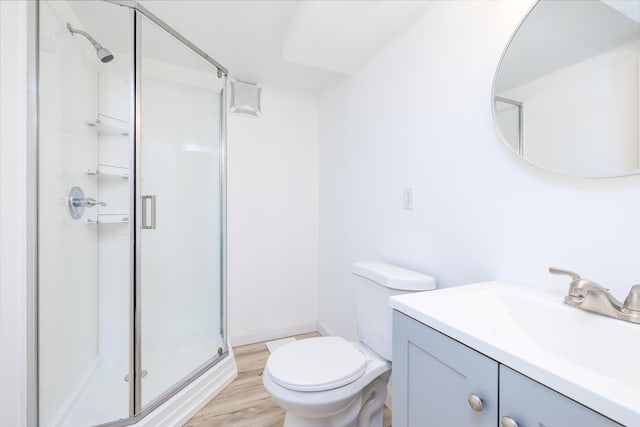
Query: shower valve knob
pixel 91 202
pixel 76 202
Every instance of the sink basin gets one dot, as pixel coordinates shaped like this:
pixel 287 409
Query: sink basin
pixel 590 358
pixel 601 344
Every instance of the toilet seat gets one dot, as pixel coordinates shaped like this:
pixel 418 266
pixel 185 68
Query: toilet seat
pixel 316 364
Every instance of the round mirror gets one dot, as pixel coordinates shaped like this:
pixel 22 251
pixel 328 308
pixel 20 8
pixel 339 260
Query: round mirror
pixel 565 94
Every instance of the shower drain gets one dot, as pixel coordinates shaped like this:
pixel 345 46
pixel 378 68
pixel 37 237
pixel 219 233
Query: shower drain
pixel 144 374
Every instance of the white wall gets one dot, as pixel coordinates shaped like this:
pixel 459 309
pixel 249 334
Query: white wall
pixel 601 91
pixel 13 212
pixel 419 113
pixel 273 217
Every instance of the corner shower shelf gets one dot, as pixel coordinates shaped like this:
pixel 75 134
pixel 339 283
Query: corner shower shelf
pixel 109 170
pixel 108 125
pixel 109 219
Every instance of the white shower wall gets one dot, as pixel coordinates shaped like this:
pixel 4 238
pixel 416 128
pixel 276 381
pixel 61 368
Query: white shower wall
pixel 68 248
pixel 114 255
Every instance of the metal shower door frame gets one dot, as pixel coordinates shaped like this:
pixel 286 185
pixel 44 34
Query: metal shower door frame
pixel 136 411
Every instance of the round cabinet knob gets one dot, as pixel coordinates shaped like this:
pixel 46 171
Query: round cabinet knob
pixel 475 402
pixel 509 422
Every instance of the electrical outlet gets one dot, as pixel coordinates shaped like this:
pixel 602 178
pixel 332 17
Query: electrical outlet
pixel 407 198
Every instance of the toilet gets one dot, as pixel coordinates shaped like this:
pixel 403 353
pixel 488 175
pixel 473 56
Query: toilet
pixel 328 381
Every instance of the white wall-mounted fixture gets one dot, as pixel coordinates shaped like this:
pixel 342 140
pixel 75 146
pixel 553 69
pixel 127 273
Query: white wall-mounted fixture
pixel 407 198
pixel 245 97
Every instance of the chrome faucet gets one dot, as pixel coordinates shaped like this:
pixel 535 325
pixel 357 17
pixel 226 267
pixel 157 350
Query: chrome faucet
pixel 590 296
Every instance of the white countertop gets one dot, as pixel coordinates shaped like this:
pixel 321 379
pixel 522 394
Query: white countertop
pixel 588 357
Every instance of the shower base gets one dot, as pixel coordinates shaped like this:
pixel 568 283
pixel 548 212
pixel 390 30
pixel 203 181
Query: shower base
pixel 104 395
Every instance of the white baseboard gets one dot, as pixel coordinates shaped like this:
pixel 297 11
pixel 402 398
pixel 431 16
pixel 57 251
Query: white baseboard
pixel 180 408
pixel 324 331
pixel 272 334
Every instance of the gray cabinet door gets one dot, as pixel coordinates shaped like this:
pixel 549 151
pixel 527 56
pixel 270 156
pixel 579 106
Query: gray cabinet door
pixel 433 376
pixel 531 404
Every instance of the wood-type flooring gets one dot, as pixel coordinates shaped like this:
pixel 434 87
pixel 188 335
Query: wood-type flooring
pixel 245 402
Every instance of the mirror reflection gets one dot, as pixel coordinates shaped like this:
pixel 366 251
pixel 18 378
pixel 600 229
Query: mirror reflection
pixel 566 91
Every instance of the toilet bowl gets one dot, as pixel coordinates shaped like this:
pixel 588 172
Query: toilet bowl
pixel 330 382
pixel 316 392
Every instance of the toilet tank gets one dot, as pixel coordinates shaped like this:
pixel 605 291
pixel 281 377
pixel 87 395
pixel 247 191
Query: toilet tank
pixel 375 282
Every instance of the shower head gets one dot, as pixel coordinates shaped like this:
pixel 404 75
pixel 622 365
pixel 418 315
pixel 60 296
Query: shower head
pixel 103 54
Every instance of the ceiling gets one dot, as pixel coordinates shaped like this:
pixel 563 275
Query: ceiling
pixel 306 45
pixel 340 35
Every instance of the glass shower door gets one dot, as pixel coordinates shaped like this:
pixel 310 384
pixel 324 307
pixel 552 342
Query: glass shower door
pixel 179 196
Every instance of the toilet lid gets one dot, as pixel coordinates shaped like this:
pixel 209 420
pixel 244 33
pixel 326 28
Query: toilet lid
pixel 316 364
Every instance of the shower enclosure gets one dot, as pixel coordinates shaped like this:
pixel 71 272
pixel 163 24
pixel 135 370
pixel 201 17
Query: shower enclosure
pixel 131 213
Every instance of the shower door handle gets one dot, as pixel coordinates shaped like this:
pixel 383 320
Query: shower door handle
pixel 151 199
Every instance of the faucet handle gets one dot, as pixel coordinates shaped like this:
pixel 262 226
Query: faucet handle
pixel 555 270
pixel 579 287
pixel 632 302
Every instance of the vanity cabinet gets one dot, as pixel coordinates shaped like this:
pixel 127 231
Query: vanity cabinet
pixel 438 381
pixel 529 403
pixel 433 376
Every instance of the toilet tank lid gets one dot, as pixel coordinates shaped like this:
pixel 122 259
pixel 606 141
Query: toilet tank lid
pixel 392 276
